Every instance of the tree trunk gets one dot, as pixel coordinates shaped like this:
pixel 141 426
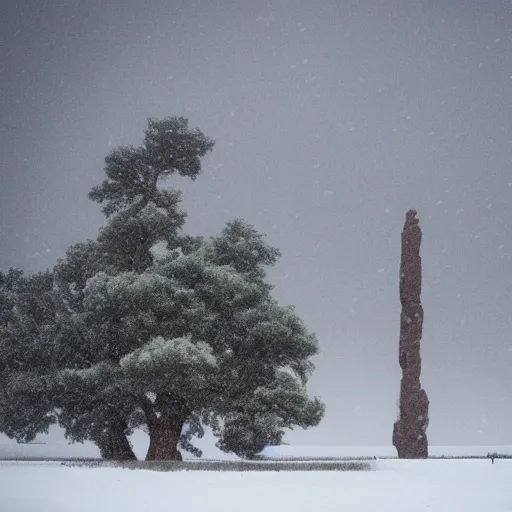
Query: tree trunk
pixel 165 423
pixel 163 439
pixel 114 445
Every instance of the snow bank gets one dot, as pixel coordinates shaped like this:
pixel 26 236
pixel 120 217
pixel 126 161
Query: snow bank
pixel 311 452
pixel 396 486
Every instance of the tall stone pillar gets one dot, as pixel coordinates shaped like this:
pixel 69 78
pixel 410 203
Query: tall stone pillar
pixel 409 431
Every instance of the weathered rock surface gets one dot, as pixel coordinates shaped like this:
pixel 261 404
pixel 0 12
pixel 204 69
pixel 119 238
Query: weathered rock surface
pixel 409 432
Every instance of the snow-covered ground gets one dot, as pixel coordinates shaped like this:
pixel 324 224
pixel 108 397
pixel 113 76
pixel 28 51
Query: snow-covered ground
pixel 284 451
pixel 394 486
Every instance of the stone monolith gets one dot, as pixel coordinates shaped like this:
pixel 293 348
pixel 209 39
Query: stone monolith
pixel 409 432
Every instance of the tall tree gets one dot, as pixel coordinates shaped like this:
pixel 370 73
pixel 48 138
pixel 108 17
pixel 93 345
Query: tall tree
pixel 174 342
pixel 139 215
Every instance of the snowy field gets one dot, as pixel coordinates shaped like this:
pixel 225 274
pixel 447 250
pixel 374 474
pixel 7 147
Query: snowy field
pixel 394 486
pixel 325 452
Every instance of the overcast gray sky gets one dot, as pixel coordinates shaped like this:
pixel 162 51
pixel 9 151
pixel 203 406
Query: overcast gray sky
pixel 331 119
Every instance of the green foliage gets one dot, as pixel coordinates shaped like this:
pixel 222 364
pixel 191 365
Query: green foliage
pixel 262 415
pixel 27 331
pixel 172 147
pixel 169 147
pixel 244 249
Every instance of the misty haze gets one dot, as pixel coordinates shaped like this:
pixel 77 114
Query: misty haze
pixel 328 121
